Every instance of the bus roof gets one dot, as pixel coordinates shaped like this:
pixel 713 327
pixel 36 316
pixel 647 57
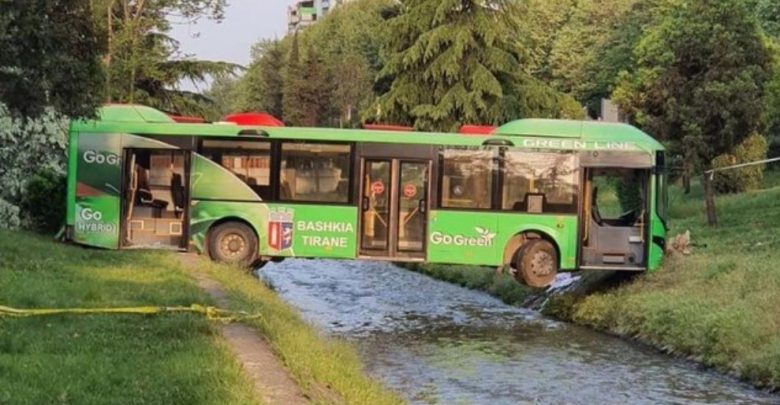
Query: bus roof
pixel 531 133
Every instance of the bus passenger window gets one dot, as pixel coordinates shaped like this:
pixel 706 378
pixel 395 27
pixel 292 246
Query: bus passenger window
pixel 540 182
pixel 467 178
pixel 249 160
pixel 312 172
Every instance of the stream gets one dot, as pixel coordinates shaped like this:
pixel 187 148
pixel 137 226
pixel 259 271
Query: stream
pixel 437 343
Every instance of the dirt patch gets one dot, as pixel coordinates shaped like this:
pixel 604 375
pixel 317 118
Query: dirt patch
pixel 272 381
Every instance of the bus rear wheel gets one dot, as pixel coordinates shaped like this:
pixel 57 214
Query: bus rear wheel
pixel 537 263
pixel 233 243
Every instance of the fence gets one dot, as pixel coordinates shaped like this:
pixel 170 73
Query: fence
pixel 709 192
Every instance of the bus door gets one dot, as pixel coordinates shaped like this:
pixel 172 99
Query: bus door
pixel 615 214
pixel 155 204
pixel 394 208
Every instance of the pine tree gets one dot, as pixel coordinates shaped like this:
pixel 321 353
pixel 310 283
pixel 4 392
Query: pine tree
pixel 271 66
pixel 452 62
pixel 293 104
pixel 315 90
pixel 261 87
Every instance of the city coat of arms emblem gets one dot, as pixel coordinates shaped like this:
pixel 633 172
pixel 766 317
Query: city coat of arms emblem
pixel 280 230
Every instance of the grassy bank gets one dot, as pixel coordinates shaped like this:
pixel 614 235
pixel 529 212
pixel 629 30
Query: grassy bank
pixel 100 359
pixel 177 358
pixel 502 286
pixel 721 304
pixel 328 371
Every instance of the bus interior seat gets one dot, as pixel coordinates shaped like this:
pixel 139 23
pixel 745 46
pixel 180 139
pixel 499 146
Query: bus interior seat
pixel 285 190
pixel 522 206
pixel 178 194
pixel 144 196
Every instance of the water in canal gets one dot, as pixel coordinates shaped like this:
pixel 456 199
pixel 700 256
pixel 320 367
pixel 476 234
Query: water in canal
pixel 438 343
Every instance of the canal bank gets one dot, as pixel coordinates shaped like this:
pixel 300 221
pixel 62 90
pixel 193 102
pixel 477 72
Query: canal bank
pixel 717 306
pixel 171 357
pixel 438 343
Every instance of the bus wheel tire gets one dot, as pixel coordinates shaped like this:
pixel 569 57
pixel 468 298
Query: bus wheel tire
pixel 233 243
pixel 537 263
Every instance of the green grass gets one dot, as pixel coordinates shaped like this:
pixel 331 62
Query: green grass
pixel 720 305
pixel 327 370
pixel 502 286
pixel 104 359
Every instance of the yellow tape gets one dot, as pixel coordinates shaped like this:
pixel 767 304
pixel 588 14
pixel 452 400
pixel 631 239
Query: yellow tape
pixel 212 313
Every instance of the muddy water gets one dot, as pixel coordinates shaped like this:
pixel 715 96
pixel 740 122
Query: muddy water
pixel 438 343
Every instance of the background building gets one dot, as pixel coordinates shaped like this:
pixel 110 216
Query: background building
pixel 304 13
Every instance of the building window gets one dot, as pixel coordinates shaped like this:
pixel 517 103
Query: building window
pixel 249 160
pixel 312 172
pixel 540 182
pixel 467 178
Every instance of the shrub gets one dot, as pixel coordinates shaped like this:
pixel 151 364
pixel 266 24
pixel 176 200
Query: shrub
pixel 774 146
pixel 31 151
pixel 753 148
pixel 629 194
pixel 9 215
pixel 726 181
pixel 43 201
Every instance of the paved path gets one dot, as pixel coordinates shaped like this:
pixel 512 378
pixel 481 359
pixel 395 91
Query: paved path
pixel 272 382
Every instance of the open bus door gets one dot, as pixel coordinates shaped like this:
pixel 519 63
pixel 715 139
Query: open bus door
pixel 155 206
pixel 615 212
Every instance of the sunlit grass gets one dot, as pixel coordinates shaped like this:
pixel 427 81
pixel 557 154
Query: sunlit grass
pixel 720 305
pixel 98 359
pixel 328 370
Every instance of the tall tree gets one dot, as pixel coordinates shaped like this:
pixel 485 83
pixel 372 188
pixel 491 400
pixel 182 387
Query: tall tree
pixel 590 48
pixel 293 103
pixel 348 40
pixel 261 87
pixel 451 61
pixel 768 14
pixel 143 62
pixel 315 90
pixel 223 97
pixel 50 57
pixel 700 76
pixel 542 23
pixel 352 91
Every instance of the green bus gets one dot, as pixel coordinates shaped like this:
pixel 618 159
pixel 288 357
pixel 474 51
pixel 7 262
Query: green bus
pixel 524 195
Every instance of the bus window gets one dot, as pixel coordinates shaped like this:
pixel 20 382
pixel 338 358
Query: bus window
pixel 618 196
pixel 249 160
pixel 467 178
pixel 540 182
pixel 315 172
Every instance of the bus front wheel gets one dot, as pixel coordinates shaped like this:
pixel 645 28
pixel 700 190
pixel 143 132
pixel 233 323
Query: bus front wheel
pixel 233 243
pixel 537 263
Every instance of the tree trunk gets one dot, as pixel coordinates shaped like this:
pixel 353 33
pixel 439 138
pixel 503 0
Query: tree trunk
pixel 709 200
pixel 686 180
pixel 110 50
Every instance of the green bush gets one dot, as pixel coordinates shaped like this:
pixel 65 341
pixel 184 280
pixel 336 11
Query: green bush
pixel 753 148
pixel 9 215
pixel 629 194
pixel 43 201
pixel 29 149
pixel 774 146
